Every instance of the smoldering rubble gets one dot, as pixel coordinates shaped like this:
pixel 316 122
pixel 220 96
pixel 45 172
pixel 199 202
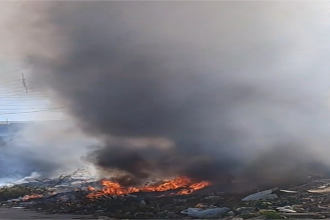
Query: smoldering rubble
pixel 224 82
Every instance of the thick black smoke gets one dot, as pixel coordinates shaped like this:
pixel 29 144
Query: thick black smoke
pixel 223 84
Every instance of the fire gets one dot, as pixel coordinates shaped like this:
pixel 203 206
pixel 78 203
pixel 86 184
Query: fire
pixel 194 187
pixel 114 188
pixel 27 197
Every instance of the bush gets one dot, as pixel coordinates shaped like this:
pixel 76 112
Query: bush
pixel 272 215
pixel 16 191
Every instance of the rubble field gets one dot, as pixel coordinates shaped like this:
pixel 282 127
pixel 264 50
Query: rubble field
pixel 175 199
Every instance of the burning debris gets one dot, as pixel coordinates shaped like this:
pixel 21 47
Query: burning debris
pixel 177 198
pixel 184 184
pixel 73 199
pixel 183 95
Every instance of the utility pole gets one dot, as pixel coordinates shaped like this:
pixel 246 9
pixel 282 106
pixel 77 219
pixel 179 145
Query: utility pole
pixel 24 83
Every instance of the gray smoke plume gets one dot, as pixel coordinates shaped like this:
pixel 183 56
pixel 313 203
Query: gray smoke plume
pixel 43 150
pixel 204 89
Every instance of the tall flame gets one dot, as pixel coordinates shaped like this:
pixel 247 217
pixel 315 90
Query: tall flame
pixel 114 188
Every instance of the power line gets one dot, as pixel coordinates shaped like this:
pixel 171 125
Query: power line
pixel 21 100
pixel 9 81
pixel 26 108
pixel 24 97
pixel 3 104
pixel 42 110
pixel 11 109
pixel 19 88
pixel 13 71
pixel 17 95
pixel 18 83
pixel 20 92
pixel 13 94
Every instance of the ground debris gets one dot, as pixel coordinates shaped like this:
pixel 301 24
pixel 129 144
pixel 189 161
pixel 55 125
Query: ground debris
pixel 264 195
pixel 295 202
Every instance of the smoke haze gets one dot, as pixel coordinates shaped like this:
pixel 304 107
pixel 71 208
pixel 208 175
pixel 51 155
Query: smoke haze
pixel 43 150
pixel 204 89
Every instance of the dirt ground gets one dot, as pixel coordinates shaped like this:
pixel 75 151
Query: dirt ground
pixel 13 213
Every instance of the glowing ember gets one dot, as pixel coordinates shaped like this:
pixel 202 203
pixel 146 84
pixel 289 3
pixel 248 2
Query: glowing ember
pixel 194 187
pixel 27 197
pixel 113 188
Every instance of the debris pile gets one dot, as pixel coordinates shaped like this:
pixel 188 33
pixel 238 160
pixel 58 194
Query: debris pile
pixel 178 198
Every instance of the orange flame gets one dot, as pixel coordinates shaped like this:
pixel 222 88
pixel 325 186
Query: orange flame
pixel 113 188
pixel 194 187
pixel 27 197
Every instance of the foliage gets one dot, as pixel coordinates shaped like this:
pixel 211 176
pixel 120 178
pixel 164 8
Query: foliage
pixel 16 191
pixel 272 215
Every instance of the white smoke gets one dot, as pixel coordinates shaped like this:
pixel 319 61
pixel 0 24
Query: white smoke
pixel 44 150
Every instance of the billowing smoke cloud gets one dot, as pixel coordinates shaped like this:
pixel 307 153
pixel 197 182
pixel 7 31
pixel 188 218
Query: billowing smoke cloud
pixel 43 150
pixel 204 89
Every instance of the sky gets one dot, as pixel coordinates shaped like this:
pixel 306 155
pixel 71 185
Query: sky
pixel 16 104
pixel 14 100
